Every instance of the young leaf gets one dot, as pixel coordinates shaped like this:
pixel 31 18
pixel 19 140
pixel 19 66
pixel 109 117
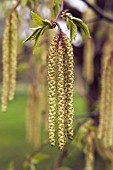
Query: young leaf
pixel 73 29
pixel 33 35
pixel 24 2
pixel 68 23
pixel 38 32
pixel 38 36
pixel 82 25
pixel 56 7
pixel 37 19
pixel 47 22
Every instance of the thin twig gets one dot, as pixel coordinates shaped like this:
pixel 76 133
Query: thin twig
pixel 61 9
pixel 62 155
pixel 99 11
pixel 17 4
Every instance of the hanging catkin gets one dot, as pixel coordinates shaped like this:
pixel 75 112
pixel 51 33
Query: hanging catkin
pixel 89 151
pixel 69 80
pixel 60 97
pixel 88 63
pixel 52 88
pixel 5 51
pixel 33 117
pixel 13 56
pixel 60 89
pixel 105 129
pixel 9 60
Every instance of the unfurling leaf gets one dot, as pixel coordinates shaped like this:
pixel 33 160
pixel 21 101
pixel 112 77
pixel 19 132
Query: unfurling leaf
pixel 82 25
pixel 38 36
pixel 56 6
pixel 71 21
pixel 37 19
pixel 73 29
pixel 33 35
pixel 43 25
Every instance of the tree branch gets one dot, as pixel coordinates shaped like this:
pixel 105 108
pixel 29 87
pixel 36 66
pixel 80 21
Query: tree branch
pixel 59 160
pixel 99 11
pixel 17 4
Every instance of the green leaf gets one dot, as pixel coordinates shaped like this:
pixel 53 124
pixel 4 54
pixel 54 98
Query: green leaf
pixel 47 23
pixel 41 156
pixel 24 2
pixel 43 25
pixel 11 166
pixel 56 7
pixel 72 27
pixel 32 166
pixel 38 36
pixel 33 35
pixel 37 19
pixel 82 25
pixel 26 164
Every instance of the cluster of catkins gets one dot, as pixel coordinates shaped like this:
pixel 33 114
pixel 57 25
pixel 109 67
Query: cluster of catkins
pixel 60 90
pixel 105 129
pixel 9 59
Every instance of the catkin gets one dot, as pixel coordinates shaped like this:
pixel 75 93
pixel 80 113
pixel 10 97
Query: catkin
pixel 9 60
pixel 105 129
pixel 60 97
pixel 111 118
pixel 89 151
pixel 33 117
pixel 13 56
pixel 52 89
pixel 69 84
pixel 5 86
pixel 88 63
pixel 60 89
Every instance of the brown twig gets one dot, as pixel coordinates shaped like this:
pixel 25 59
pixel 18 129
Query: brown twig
pixel 99 11
pixel 59 160
pixel 17 4
pixel 61 9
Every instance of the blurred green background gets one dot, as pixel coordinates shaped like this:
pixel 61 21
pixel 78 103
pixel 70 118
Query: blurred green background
pixel 14 146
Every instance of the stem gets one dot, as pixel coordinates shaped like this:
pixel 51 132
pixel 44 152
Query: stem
pixel 61 9
pixel 17 4
pixel 99 11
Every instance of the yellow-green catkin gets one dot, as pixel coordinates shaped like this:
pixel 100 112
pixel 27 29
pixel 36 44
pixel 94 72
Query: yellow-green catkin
pixel 5 50
pixel 88 60
pixel 60 97
pixel 111 119
pixel 89 151
pixel 69 79
pixel 52 89
pixel 102 121
pixel 105 122
pixel 107 109
pixel 88 63
pixel 33 117
pixel 109 130
pixel 13 56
